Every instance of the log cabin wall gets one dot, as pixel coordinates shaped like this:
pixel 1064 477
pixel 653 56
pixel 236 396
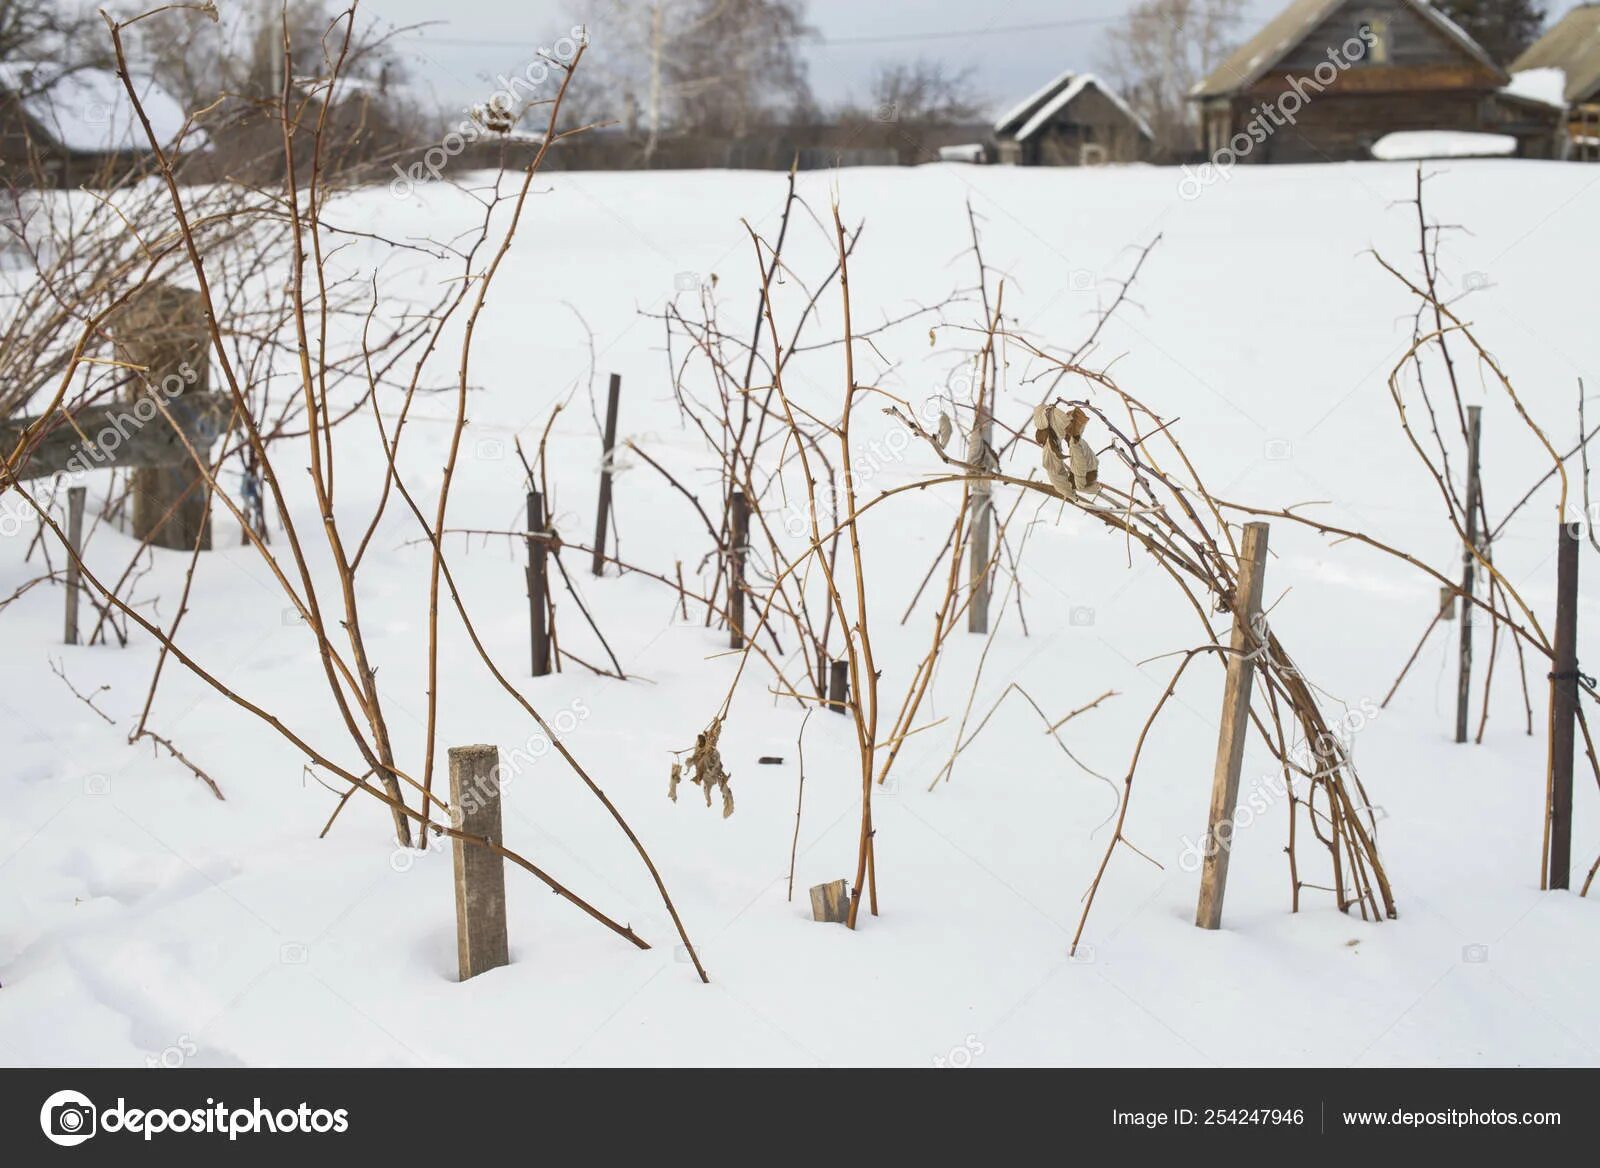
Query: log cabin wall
pixel 1411 76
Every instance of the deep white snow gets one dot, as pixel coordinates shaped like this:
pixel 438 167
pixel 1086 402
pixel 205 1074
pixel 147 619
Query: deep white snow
pixel 144 922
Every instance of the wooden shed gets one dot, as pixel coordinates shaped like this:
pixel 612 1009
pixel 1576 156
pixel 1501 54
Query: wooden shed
pixel 1327 79
pixel 75 127
pixel 1076 120
pixel 1573 46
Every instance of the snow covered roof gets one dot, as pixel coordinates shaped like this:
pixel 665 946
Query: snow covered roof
pixel 1413 144
pixel 1251 61
pixel 1028 118
pixel 87 111
pixel 1547 86
pixel 1572 45
pixel 1017 114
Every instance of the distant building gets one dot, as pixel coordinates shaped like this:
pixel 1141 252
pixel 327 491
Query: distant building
pixel 1326 80
pixel 1076 120
pixel 1573 46
pixel 74 127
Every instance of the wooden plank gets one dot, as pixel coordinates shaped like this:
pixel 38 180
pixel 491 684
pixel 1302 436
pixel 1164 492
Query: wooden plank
pixel 1235 726
pixel 163 332
pixel 980 517
pixel 830 902
pixel 738 541
pixel 481 943
pixel 538 584
pixel 839 686
pixel 603 518
pixel 75 503
pixel 116 437
pixel 1469 573
pixel 1563 707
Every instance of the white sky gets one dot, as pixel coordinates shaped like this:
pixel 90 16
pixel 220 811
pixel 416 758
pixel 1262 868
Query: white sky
pixel 1013 46
pixel 472 40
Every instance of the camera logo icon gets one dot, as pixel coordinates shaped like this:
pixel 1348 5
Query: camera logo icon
pixel 68 1118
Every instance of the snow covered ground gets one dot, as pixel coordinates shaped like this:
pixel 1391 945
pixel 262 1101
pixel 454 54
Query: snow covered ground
pixel 144 922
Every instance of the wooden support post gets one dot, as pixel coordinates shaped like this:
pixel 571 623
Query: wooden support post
pixel 1469 570
pixel 538 584
pixel 738 541
pixel 981 518
pixel 163 330
pixel 1235 726
pixel 839 687
pixel 1564 707
pixel 75 501
pixel 480 873
pixel 830 902
pixel 603 519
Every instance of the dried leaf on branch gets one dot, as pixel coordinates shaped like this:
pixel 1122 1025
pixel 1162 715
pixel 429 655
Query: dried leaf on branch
pixel 705 769
pixel 1069 462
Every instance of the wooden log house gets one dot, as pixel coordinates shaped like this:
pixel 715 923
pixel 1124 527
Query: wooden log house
pixel 1076 120
pixel 1327 79
pixel 1573 45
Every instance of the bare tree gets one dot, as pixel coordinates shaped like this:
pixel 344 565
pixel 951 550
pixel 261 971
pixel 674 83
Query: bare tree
pixel 927 91
pixel 698 66
pixel 1161 50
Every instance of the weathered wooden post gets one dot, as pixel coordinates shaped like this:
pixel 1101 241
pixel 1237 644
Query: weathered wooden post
pixel 981 516
pixel 1469 570
pixel 603 519
pixel 538 584
pixel 75 501
pixel 1563 707
pixel 831 902
pixel 162 330
pixel 1235 725
pixel 839 686
pixel 738 541
pixel 481 943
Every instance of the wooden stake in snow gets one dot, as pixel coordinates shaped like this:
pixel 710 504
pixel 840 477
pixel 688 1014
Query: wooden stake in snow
pixel 1469 570
pixel 1563 707
pixel 738 541
pixel 538 584
pixel 480 873
pixel 1235 724
pixel 839 686
pixel 603 519
pixel 831 902
pixel 981 513
pixel 163 330
pixel 75 499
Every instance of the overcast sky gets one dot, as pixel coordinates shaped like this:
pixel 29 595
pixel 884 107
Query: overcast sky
pixel 1014 46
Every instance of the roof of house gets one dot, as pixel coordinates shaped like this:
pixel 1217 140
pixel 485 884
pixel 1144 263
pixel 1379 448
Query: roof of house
pixel 87 111
pixel 1036 111
pixel 1256 57
pixel 1572 45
